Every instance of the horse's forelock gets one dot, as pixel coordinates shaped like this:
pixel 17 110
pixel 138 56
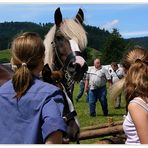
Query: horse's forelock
pixel 71 29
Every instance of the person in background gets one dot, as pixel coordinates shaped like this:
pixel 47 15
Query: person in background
pixel 82 85
pixel 30 109
pixel 135 85
pixel 95 84
pixel 116 73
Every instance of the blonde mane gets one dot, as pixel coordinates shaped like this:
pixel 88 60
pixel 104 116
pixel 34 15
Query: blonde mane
pixel 117 88
pixel 70 29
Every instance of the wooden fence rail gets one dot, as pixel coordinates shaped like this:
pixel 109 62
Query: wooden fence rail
pixel 112 129
pixel 102 132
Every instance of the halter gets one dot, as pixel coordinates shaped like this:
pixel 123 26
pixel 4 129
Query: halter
pixel 70 57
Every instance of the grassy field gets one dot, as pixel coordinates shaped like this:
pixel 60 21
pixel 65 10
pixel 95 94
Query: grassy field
pixel 5 56
pixel 83 113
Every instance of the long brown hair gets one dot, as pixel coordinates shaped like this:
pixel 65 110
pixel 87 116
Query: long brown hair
pixel 27 52
pixel 135 82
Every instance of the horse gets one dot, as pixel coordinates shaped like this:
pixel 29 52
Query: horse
pixel 5 73
pixel 64 62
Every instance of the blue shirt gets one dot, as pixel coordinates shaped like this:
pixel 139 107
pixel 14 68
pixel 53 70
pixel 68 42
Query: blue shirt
pixel 32 118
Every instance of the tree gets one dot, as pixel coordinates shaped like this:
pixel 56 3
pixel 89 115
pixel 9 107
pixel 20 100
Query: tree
pixel 113 48
pixel 91 54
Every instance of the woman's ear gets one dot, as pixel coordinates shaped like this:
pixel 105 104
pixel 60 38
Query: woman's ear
pixel 46 74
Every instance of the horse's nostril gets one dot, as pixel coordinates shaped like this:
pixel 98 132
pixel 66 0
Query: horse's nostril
pixel 71 67
pixel 77 67
pixel 74 67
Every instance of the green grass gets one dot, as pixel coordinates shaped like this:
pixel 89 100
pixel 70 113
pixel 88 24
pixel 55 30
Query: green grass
pixel 5 56
pixel 83 113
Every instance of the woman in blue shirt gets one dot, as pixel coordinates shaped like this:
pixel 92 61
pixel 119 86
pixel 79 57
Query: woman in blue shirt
pixel 30 110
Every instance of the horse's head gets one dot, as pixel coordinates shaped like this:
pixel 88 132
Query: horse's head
pixel 64 45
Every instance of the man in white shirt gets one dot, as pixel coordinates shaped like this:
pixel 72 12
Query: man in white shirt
pixel 116 73
pixel 95 82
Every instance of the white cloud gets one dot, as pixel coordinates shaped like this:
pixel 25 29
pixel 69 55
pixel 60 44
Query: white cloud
pixel 134 34
pixel 110 25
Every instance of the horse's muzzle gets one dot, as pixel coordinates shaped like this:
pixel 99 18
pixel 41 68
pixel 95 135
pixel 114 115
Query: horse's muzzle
pixel 77 71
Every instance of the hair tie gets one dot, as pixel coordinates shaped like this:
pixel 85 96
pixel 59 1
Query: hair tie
pixel 24 64
pixel 138 60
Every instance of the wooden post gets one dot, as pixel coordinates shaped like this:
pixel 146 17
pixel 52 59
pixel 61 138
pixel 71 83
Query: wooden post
pixel 101 126
pixel 101 132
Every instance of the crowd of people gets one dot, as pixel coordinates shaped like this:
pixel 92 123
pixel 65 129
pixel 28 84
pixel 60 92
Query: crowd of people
pixel 95 82
pixel 31 110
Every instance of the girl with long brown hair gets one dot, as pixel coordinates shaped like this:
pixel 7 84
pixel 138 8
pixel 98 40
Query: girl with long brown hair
pixel 30 109
pixel 135 85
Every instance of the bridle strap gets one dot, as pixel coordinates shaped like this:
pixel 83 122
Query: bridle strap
pixel 54 47
pixel 68 59
pixel 71 56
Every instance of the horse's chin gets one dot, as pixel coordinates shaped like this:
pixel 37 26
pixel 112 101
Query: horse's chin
pixel 77 71
pixel 78 77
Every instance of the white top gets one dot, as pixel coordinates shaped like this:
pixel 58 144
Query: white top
pixel 97 77
pixel 128 125
pixel 116 75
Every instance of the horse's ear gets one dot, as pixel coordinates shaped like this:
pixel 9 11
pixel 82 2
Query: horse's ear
pixel 80 16
pixel 46 74
pixel 58 17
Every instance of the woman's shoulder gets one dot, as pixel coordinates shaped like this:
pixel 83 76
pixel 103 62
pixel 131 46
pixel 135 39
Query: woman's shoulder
pixel 44 90
pixel 44 86
pixel 138 104
pixel 7 86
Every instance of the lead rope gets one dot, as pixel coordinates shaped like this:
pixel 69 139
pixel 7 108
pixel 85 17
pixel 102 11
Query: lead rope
pixel 71 110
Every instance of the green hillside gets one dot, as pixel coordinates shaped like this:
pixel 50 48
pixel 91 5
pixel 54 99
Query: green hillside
pixel 5 56
pixel 110 46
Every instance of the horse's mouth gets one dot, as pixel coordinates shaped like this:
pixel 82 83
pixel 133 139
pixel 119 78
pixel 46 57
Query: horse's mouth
pixel 77 72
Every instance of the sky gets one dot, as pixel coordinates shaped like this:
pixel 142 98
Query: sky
pixel 130 19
